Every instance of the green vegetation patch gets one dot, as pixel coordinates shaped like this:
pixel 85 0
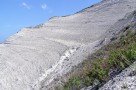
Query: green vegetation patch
pixel 106 63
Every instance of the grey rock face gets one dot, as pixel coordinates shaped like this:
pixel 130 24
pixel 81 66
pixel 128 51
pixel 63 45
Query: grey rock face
pixel 34 57
pixel 124 81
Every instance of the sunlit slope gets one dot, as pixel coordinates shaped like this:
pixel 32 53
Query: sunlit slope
pixel 25 56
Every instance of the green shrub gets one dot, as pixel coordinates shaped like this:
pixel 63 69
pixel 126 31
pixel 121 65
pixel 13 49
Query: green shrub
pixel 74 82
pixel 119 55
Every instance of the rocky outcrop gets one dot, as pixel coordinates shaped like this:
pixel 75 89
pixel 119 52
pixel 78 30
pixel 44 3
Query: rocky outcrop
pixel 34 57
pixel 124 81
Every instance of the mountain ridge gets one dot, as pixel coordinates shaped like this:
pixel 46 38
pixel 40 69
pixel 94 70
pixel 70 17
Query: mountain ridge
pixel 33 51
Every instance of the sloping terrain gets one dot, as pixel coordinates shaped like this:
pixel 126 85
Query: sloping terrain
pixel 107 62
pixel 124 81
pixel 34 57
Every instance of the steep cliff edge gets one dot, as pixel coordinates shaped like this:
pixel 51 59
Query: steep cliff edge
pixel 34 57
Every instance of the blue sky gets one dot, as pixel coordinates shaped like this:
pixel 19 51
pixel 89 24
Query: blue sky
pixel 15 14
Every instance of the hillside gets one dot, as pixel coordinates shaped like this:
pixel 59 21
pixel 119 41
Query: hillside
pixel 38 58
pixel 100 70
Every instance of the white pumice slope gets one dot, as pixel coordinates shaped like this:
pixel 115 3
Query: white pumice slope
pixel 34 57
